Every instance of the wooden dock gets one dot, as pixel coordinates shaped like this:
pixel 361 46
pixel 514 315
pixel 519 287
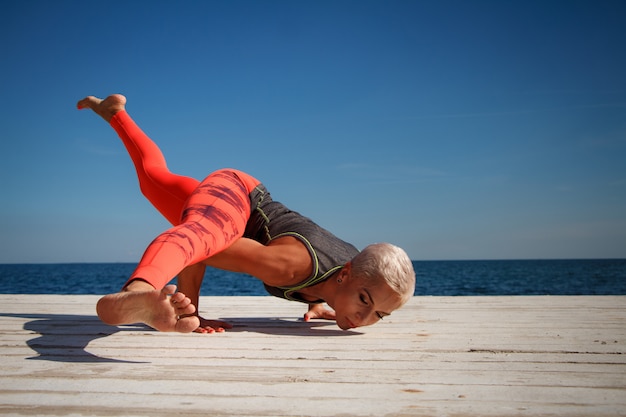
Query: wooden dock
pixel 438 356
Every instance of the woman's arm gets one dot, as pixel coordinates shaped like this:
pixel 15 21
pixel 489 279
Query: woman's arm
pixel 190 280
pixel 189 283
pixel 285 261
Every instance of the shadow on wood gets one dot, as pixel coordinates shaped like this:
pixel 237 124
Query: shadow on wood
pixel 64 337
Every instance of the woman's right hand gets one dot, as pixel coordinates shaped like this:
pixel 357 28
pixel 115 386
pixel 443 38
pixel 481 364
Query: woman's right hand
pixel 212 326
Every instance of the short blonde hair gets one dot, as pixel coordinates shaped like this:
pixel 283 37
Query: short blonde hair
pixel 388 262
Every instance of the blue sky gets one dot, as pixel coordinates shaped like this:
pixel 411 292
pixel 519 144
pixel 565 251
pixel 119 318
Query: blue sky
pixel 455 129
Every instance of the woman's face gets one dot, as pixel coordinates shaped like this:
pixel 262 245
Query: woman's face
pixel 361 302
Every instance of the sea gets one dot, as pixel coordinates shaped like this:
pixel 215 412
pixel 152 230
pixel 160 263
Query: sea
pixel 435 278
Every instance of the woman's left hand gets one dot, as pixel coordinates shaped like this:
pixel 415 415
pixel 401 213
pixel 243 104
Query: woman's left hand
pixel 319 311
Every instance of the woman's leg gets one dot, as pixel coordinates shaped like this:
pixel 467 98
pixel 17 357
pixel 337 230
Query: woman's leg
pixel 213 218
pixel 167 191
pixel 208 216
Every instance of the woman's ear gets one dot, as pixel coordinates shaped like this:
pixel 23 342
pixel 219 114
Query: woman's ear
pixel 347 269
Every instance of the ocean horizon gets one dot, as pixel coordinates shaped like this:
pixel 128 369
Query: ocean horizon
pixel 435 278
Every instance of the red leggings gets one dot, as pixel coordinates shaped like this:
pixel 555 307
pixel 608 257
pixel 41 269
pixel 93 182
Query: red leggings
pixel 207 216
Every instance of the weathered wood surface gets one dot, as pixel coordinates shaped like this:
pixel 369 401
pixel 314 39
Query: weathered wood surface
pixel 438 356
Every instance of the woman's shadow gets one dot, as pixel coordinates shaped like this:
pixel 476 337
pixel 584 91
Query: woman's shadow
pixel 65 337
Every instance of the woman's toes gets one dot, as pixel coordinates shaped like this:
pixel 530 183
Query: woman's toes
pixel 180 298
pixel 183 311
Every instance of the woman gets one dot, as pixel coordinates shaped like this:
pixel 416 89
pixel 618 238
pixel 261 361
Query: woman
pixel 229 221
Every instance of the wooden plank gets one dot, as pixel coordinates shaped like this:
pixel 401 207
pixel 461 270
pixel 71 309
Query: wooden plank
pixel 440 356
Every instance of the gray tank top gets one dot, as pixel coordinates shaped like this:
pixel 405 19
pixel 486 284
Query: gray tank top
pixel 270 220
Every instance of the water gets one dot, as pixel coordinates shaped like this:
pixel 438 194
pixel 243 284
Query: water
pixel 517 277
pixel 522 277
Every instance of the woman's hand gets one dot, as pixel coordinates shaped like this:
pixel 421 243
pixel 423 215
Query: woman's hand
pixel 212 326
pixel 319 311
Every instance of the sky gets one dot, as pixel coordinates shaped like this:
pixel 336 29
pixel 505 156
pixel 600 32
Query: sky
pixel 456 129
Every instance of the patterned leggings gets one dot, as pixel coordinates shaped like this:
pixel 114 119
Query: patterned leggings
pixel 207 216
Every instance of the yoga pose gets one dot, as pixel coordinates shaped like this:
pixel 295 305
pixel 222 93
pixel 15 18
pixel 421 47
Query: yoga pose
pixel 229 221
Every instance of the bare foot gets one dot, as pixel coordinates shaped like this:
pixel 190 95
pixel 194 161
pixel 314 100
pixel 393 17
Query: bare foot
pixel 104 108
pixel 162 310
